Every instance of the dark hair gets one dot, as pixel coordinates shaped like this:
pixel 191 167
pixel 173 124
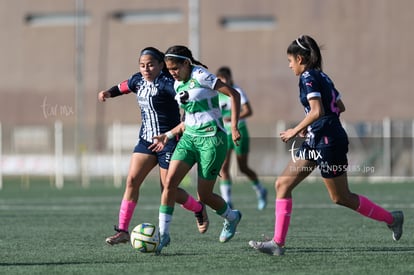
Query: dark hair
pixel 225 72
pixel 182 53
pixel 154 52
pixel 307 47
pixel 157 54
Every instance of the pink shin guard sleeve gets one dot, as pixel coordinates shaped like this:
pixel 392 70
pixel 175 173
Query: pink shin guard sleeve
pixel 282 214
pixel 192 205
pixel 125 214
pixel 371 210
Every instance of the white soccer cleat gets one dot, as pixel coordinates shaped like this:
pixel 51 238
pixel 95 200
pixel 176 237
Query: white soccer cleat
pixel 268 247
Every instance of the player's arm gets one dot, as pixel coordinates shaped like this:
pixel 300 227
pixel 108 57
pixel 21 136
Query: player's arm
pixel 245 110
pixel 120 89
pixel 176 131
pixel 316 111
pixel 161 140
pixel 235 107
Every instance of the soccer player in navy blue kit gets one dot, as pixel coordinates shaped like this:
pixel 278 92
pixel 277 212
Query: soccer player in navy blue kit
pixel 154 88
pixel 325 146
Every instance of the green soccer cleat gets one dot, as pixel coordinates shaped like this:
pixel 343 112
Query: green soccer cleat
pixel 397 226
pixel 268 247
pixel 229 228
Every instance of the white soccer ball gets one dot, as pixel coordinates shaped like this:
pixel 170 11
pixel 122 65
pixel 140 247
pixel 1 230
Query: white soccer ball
pixel 145 237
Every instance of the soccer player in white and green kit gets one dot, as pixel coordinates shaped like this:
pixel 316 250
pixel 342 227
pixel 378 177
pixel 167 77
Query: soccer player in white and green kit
pixel 203 141
pixel 241 151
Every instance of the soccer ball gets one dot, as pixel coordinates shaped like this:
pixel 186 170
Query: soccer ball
pixel 145 237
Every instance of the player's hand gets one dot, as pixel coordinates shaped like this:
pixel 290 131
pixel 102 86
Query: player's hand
pixel 303 133
pixel 159 143
pixel 288 135
pixel 235 136
pixel 102 96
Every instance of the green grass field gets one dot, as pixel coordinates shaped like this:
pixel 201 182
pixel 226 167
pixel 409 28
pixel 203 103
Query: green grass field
pixel 49 231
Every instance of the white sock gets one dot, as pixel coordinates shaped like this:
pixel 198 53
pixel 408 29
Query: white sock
pixel 225 190
pixel 164 223
pixel 258 188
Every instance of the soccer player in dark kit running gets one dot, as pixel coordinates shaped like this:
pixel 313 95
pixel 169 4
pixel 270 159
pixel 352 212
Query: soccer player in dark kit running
pixel 327 139
pixel 154 88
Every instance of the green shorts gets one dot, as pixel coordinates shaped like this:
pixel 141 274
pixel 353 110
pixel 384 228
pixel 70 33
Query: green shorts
pixel 243 148
pixel 208 152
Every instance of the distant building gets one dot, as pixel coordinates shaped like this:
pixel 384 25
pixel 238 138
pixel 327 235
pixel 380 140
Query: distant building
pixel 368 53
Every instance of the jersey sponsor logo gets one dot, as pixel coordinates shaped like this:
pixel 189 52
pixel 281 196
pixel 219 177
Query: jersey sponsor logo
pixel 308 84
pixel 209 78
pixel 209 129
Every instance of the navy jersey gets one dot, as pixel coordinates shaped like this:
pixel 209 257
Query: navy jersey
pixel 159 110
pixel 327 130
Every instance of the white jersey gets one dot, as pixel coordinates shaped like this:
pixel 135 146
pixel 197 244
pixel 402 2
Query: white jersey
pixel 225 104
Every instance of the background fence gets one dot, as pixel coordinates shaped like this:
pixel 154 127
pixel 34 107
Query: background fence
pixel 380 150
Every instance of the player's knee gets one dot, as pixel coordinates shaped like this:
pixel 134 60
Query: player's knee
pixel 132 182
pixel 204 198
pixel 336 200
pixel 280 186
pixel 224 174
pixel 339 200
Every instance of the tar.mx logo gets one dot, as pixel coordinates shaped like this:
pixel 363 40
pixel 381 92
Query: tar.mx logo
pixel 304 153
pixel 53 110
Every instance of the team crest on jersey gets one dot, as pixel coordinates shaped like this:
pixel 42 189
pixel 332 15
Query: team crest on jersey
pixel 192 84
pixel 306 74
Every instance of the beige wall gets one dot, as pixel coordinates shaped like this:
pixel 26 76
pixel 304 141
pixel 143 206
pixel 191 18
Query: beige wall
pixel 367 52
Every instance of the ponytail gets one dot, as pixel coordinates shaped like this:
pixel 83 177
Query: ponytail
pixel 307 47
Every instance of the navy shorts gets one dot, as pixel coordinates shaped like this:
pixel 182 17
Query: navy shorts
pixel 332 161
pixel 163 157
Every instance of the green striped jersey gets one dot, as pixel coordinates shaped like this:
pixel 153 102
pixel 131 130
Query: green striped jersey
pixel 202 109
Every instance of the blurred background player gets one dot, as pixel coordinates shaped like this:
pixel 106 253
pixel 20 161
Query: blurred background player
pixel 328 142
pixel 203 141
pixel 241 151
pixel 154 88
